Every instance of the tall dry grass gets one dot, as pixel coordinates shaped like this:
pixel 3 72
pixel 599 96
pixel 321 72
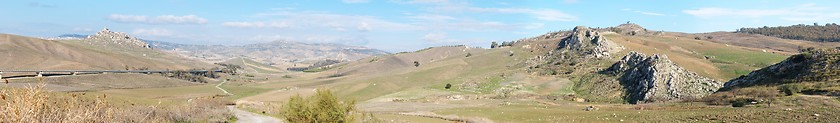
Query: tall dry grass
pixel 34 104
pixel 197 110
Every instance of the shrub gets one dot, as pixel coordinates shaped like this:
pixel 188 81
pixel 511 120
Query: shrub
pixel 494 45
pixel 791 89
pixel 448 86
pixel 321 107
pixel 416 64
pixel 35 105
pixel 739 104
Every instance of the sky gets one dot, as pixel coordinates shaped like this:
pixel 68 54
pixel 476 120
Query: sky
pixel 391 25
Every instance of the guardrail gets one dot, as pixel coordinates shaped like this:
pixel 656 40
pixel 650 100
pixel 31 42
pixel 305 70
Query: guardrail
pixel 40 73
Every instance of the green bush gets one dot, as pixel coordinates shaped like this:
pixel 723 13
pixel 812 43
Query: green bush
pixel 791 89
pixel 741 102
pixel 323 107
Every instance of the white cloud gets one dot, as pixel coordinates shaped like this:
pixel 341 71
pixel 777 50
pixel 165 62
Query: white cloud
pixel 363 27
pixel 355 1
pixel 153 32
pixel 275 24
pixel 541 14
pixel 163 19
pixel 804 12
pixel 41 5
pixel 338 22
pixel 435 37
pixel 644 12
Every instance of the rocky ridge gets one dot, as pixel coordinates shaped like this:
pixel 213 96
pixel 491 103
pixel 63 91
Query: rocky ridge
pixel 119 38
pixel 629 29
pixel 656 78
pixel 588 42
pixel 812 65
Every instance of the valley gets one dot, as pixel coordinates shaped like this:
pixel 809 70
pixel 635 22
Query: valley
pixel 419 61
pixel 532 80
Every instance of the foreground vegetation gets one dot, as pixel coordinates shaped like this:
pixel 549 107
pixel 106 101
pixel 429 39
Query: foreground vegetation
pixel 323 107
pixel 35 104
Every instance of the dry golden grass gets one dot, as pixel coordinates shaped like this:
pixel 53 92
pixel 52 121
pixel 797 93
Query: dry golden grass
pixel 34 104
pixel 197 110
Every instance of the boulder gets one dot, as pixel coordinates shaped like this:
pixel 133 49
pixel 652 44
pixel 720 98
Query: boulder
pixel 656 78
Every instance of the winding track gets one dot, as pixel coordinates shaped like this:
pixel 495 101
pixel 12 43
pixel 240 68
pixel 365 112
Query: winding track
pixel 249 117
pixel 245 116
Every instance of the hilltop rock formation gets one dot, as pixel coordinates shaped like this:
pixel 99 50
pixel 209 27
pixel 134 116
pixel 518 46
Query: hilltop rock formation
pixel 629 29
pixel 587 42
pixel 813 65
pixel 656 78
pixel 119 38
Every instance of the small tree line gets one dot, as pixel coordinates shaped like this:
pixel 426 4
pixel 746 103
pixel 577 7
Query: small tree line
pixel 820 33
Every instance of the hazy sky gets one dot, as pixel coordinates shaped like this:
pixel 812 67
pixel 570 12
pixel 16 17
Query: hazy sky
pixel 392 25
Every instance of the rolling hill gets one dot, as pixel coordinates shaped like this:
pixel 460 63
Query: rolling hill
pixel 533 79
pixel 33 53
pixel 553 77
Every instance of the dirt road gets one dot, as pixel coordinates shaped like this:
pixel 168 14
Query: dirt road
pixel 248 117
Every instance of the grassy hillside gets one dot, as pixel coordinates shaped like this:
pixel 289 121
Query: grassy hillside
pixel 719 61
pixel 250 66
pixel 758 42
pixel 33 53
pixel 819 33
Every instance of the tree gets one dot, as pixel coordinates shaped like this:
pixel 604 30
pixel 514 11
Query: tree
pixel 494 45
pixel 323 107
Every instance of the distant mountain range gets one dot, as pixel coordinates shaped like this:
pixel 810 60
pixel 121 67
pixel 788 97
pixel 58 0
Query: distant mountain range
pixel 277 53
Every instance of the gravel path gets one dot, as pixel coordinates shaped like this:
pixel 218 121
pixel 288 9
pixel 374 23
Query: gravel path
pixel 249 117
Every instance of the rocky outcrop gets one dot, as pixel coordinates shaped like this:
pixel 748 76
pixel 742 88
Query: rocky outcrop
pixel 588 42
pixel 629 29
pixel 656 78
pixel 813 65
pixel 119 38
